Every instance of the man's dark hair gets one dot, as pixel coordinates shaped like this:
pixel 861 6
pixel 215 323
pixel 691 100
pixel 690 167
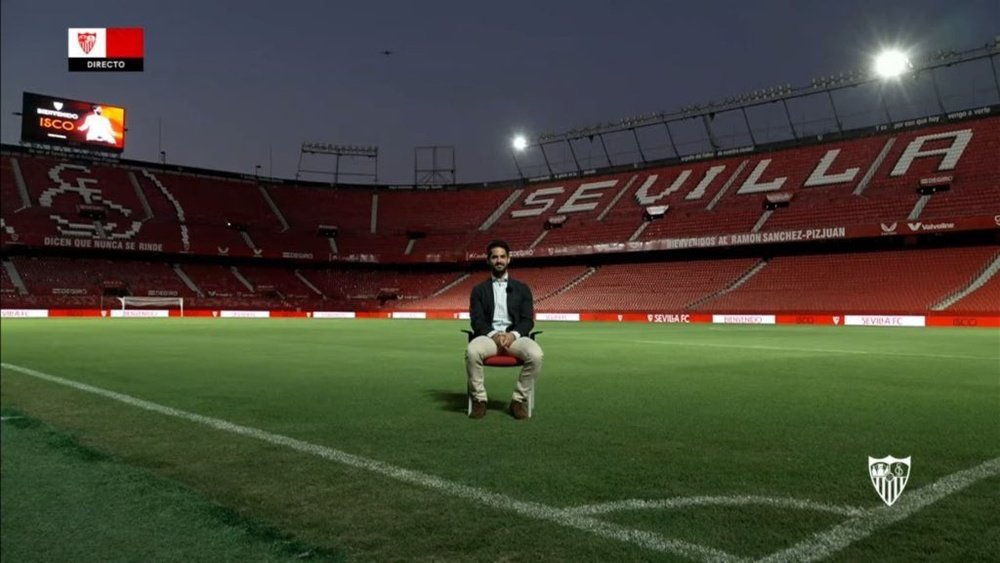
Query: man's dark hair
pixel 495 244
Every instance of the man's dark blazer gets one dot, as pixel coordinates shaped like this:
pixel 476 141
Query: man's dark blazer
pixel 520 307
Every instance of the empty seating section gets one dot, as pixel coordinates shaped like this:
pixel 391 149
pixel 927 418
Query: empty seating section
pixel 215 280
pixel 583 228
pixel 305 208
pixel 368 283
pixel 283 281
pixel 215 201
pixel 976 186
pixel 8 187
pixel 64 282
pixel 543 282
pixel 829 200
pixel 6 284
pixel 60 187
pixel 455 298
pixel 666 286
pixel 519 236
pixel 440 212
pixel 986 299
pixel 216 240
pixel 151 279
pixel 163 208
pixel 688 189
pixel 873 282
pixel 889 166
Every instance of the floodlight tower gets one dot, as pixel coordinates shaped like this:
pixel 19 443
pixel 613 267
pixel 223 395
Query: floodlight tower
pixel 518 144
pixel 892 63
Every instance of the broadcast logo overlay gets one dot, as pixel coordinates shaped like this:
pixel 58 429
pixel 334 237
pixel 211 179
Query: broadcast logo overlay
pixel 105 49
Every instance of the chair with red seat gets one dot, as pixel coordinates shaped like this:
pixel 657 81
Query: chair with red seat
pixel 504 360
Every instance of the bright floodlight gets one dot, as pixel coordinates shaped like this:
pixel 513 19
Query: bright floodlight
pixel 520 143
pixel 891 63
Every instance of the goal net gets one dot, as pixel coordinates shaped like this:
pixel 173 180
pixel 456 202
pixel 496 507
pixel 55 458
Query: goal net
pixel 135 302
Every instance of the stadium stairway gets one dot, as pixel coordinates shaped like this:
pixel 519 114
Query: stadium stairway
pixel 451 284
pixel 187 281
pixel 979 281
pixel 499 211
pixel 15 277
pixel 614 201
pixel 732 287
pixel 274 207
pixel 246 283
pixel 249 241
pixel 573 283
pixel 22 187
pixel 866 180
pixel 185 238
pixel 309 284
pixel 140 195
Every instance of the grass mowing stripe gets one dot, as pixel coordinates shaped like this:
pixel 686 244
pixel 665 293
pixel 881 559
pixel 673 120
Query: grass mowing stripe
pixel 63 501
pixel 826 543
pixel 789 349
pixel 534 510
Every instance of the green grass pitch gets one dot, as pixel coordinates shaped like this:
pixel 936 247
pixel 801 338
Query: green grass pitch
pixel 349 440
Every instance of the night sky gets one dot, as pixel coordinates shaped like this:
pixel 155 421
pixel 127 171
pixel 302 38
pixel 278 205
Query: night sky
pixel 234 82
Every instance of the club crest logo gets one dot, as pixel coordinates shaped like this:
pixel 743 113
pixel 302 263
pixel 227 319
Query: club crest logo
pixel 889 476
pixel 87 41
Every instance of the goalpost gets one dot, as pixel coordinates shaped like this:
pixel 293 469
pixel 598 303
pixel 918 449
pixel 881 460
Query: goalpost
pixel 152 302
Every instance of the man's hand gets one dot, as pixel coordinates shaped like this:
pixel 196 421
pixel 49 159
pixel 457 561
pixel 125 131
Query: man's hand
pixel 506 339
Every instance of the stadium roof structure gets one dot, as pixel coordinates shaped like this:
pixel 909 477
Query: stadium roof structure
pixel 656 137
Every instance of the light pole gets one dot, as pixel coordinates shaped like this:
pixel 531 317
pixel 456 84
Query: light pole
pixel 518 144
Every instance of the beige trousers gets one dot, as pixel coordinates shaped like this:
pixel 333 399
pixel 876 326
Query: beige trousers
pixel 524 348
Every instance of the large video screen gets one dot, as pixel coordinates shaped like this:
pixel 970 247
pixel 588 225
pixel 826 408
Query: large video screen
pixel 61 121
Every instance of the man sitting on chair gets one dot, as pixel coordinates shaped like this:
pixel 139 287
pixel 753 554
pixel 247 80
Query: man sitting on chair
pixel 502 313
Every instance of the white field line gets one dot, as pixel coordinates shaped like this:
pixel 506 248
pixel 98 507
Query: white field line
pixel 826 543
pixel 534 510
pixel 739 500
pixel 792 349
pixel 817 547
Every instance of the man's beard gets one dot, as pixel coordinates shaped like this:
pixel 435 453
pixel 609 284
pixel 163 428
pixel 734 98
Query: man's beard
pixel 499 273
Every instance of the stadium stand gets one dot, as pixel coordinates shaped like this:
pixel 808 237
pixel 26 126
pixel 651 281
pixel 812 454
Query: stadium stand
pixel 982 300
pixel 315 243
pixel 544 282
pixel 888 282
pixel 665 286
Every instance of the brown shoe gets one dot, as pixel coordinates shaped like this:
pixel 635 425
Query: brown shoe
pixel 478 409
pixel 518 409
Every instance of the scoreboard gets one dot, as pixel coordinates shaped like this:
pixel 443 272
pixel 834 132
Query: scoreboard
pixel 62 121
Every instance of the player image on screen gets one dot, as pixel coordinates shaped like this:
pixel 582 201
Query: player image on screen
pixel 98 127
pixel 77 123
